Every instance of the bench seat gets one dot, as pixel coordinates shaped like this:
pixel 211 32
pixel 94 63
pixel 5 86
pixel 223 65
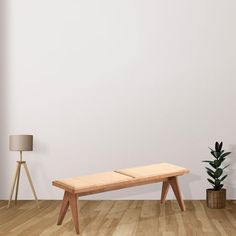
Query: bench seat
pixel 162 170
pixel 107 181
pixel 87 183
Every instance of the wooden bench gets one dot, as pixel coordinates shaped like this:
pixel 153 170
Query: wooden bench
pixel 107 181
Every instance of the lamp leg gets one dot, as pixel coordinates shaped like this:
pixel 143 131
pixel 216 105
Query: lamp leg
pixel 18 180
pixel 31 183
pixel 13 185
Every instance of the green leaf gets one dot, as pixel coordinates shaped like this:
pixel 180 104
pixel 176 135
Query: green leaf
pixel 206 161
pixel 211 149
pixel 211 174
pixel 226 166
pixel 212 171
pixel 217 163
pixel 213 165
pixel 220 146
pixel 218 173
pixel 211 181
pixel 217 182
pixel 218 154
pixel 222 151
pixel 217 146
pixel 218 187
pixel 223 178
pixel 225 154
pixel 221 159
pixel 213 153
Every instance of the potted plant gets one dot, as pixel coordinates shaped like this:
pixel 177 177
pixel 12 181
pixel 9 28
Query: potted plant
pixel 216 196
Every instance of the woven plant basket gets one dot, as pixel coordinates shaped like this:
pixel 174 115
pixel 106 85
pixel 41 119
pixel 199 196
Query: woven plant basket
pixel 216 199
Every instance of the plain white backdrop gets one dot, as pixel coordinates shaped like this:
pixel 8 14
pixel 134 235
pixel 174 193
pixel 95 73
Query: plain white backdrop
pixel 104 85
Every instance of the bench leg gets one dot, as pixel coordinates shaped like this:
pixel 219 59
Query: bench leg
pixel 165 188
pixel 69 199
pixel 74 209
pixel 64 207
pixel 175 186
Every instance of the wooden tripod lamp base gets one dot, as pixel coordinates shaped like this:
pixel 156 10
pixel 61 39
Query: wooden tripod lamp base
pixel 21 143
pixel 16 181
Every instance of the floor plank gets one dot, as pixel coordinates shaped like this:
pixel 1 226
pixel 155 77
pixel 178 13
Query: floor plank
pixel 119 218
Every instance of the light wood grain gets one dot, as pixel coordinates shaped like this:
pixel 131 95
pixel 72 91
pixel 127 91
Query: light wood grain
pixel 174 183
pixel 90 182
pixel 64 208
pixel 31 183
pixel 17 180
pixel 109 218
pixel 102 182
pixel 13 184
pixel 165 188
pixel 113 180
pixel 17 184
pixel 162 170
pixel 73 202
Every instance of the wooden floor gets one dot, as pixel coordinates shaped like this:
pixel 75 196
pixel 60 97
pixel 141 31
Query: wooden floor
pixel 119 218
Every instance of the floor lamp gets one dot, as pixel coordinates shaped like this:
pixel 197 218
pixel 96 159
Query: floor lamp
pixel 21 143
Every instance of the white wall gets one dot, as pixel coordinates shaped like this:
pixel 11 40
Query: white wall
pixel 105 85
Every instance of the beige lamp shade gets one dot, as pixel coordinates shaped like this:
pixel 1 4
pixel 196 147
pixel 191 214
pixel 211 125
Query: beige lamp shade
pixel 21 142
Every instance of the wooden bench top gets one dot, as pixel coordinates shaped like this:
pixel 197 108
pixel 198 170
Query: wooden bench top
pixel 101 182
